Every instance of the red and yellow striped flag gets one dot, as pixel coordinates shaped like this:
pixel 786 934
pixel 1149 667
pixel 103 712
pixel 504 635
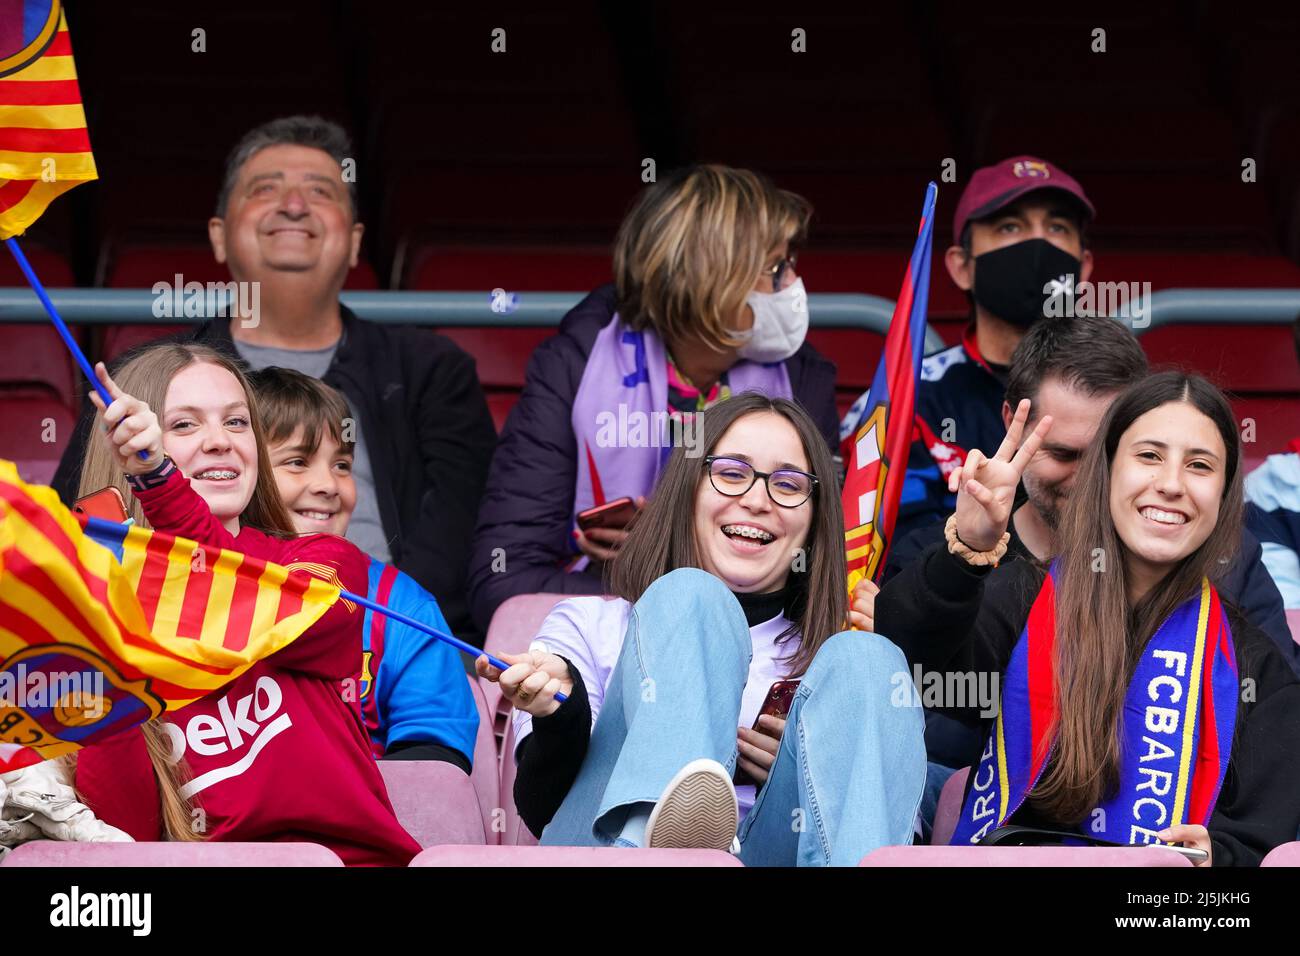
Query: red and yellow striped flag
pixel 91 645
pixel 44 143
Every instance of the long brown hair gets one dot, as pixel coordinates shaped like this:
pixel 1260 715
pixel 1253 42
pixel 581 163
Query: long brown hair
pixel 147 375
pixel 1099 636
pixel 663 537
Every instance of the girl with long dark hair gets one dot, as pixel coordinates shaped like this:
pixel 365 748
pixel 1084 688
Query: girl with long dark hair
pixel 732 579
pixel 1136 707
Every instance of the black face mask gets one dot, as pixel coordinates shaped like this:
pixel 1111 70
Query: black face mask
pixel 1010 282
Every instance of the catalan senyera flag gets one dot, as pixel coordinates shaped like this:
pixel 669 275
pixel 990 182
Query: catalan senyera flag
pixel 93 642
pixel 44 143
pixel 878 429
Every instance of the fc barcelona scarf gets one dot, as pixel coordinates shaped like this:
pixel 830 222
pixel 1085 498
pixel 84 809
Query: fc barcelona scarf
pixel 1176 728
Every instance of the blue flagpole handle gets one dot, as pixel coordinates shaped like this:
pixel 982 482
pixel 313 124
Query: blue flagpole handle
pixel 61 327
pixel 111 530
pixel 432 632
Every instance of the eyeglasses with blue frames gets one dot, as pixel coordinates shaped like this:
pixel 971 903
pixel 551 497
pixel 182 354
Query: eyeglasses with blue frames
pixel 734 477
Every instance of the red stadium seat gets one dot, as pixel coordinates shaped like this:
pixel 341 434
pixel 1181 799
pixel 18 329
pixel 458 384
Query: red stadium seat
pixel 1288 854
pixel 59 853
pixel 502 357
pixel 35 356
pixel 880 272
pixel 569 856
pixel 50 267
pixel 1196 270
pixel 120 339
pixel 434 801
pixel 948 812
pixel 1024 856
pixel 139 265
pixel 447 268
pixel 30 418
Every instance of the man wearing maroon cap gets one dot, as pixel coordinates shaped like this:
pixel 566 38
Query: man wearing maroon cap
pixel 1019 238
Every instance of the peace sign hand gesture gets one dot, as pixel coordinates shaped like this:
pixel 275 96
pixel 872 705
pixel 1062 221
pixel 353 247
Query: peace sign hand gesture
pixel 986 487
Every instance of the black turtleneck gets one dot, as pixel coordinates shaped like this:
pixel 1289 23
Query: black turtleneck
pixel 762 607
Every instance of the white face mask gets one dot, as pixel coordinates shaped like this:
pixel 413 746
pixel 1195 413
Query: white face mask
pixel 780 324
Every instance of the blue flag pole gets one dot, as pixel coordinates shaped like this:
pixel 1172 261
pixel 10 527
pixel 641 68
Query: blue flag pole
pixel 98 527
pixel 60 326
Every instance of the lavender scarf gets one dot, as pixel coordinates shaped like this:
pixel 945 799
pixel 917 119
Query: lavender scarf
pixel 620 414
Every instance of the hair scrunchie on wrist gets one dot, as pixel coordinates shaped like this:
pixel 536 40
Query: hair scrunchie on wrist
pixel 151 479
pixel 979 559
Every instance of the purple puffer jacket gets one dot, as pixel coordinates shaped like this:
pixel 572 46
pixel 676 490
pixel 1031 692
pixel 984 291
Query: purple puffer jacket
pixel 527 509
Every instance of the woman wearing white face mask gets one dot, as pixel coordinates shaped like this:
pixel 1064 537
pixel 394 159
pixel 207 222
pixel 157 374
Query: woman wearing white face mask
pixel 706 304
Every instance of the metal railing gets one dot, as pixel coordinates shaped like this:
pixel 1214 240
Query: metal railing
pixel 870 313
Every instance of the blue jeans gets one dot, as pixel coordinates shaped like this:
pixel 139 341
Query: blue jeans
pixel 851 766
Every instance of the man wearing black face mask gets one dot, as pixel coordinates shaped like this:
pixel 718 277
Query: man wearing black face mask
pixel 1020 238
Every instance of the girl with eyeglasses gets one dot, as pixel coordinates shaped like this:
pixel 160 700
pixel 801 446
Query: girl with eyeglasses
pixel 731 581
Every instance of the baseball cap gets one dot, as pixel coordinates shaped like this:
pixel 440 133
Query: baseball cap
pixel 999 185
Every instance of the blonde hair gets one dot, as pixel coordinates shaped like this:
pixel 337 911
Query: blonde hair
pixel 693 247
pixel 147 376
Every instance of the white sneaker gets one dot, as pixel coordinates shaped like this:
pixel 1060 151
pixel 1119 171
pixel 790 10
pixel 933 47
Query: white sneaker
pixel 696 811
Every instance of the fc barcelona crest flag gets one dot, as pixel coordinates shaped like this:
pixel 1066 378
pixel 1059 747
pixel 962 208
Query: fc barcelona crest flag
pixel 105 629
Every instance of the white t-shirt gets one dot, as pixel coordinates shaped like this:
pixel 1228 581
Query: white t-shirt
pixel 589 632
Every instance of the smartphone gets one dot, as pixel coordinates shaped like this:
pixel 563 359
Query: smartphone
pixel 105 503
pixel 613 514
pixel 775 704
pixel 777 701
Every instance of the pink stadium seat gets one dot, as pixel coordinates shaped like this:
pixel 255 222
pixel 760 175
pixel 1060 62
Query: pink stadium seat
pixel 512 629
pixel 949 809
pixel 1288 854
pixel 30 417
pixel 56 853
pixel 1293 619
pixel 434 801
pixel 1022 856
pixel 485 775
pixel 567 856
pixel 516 833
